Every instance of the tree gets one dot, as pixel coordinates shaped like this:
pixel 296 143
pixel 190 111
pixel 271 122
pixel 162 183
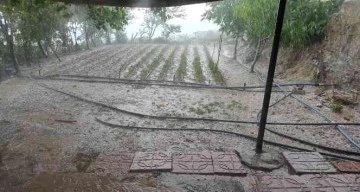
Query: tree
pixel 304 21
pixel 7 15
pixel 121 37
pixel 157 17
pixel 170 29
pixel 222 13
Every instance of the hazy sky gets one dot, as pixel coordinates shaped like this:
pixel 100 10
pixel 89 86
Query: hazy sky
pixel 190 24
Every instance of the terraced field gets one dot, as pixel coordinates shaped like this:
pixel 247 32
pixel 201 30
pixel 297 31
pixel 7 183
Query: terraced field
pixel 182 63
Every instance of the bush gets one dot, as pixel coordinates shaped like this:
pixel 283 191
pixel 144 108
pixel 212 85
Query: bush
pixel 336 107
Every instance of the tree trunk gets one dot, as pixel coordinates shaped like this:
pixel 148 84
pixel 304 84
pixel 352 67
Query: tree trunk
pixel 1 72
pixel 108 38
pixel 257 54
pixel 86 37
pixel 236 45
pixel 27 56
pixel 10 43
pixel 220 46
pixel 42 49
pixel 92 41
pixel 54 51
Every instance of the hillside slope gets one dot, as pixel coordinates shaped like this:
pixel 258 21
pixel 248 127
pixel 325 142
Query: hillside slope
pixel 336 59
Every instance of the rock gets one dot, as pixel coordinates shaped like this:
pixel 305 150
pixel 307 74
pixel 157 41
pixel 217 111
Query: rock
pixel 319 104
pixel 319 92
pixel 160 104
pixel 343 98
pixel 266 161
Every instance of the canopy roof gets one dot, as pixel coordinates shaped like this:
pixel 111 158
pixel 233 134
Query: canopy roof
pixel 137 3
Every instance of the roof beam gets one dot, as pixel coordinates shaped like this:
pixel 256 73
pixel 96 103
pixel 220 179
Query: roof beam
pixel 137 3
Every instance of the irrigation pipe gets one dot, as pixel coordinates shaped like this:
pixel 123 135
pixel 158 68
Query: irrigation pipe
pixel 161 83
pixel 186 118
pixel 303 141
pixel 135 82
pixel 225 132
pixel 340 127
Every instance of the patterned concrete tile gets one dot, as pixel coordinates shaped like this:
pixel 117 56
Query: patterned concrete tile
pixel 227 163
pixel 308 162
pixel 333 182
pixel 114 164
pixel 308 183
pixel 145 161
pixel 280 183
pixel 348 166
pixel 200 163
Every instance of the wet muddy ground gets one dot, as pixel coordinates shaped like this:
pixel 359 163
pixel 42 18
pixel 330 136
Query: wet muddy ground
pixel 52 142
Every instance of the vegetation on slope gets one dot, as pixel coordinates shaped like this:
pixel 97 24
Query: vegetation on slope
pixel 132 69
pixel 181 70
pixel 214 68
pixel 198 73
pixel 147 70
pixel 168 62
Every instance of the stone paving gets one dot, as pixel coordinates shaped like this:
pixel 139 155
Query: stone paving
pixel 308 162
pixel 311 182
pixel 228 163
pixel 206 162
pixel 199 163
pixel 348 166
pixel 159 160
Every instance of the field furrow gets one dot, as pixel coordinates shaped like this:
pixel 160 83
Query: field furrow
pixel 216 73
pixel 133 70
pixel 176 62
pixel 198 71
pixel 162 71
pixel 149 69
pixel 204 64
pixel 55 67
pixel 189 77
pixel 181 69
pixel 116 51
pixel 113 66
pixel 73 67
pixel 132 59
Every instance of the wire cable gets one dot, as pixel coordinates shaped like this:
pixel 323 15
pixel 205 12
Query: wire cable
pixel 225 132
pixel 186 118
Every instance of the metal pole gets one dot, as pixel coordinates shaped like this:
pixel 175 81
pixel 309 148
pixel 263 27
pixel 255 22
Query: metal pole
pixel 270 76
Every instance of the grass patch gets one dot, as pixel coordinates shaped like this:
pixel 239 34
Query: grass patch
pixel 234 105
pixel 206 108
pixel 198 73
pixel 132 69
pixel 167 65
pixel 181 70
pixel 336 107
pixel 153 65
pixel 215 71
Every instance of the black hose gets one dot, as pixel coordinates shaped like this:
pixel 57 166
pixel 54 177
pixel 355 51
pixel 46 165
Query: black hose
pixel 340 127
pixel 314 144
pixel 303 141
pixel 189 83
pixel 188 118
pixel 128 80
pixel 90 79
pixel 226 132
pixel 138 82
